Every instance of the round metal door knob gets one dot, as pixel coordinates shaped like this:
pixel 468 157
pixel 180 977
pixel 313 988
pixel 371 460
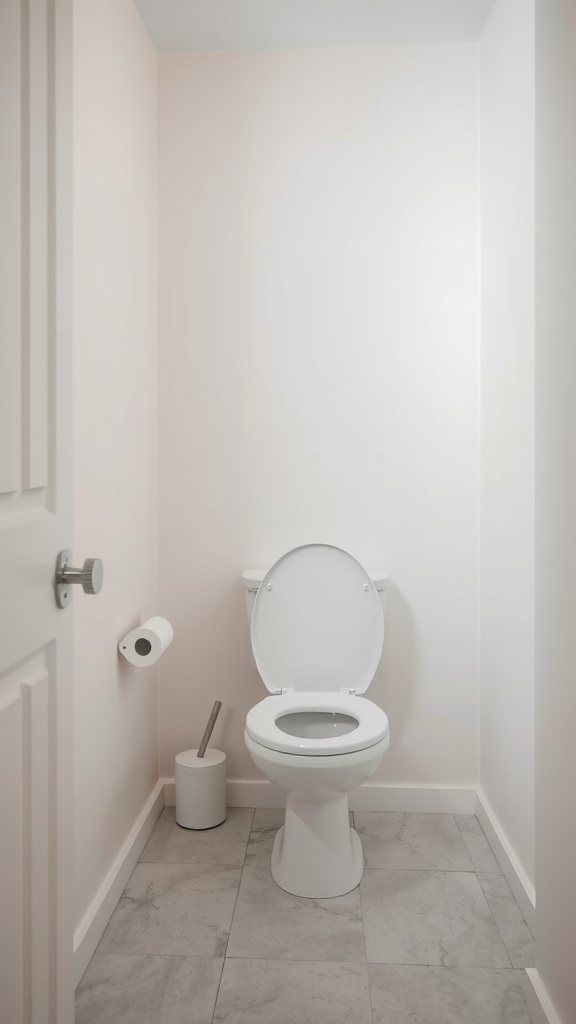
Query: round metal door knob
pixel 90 577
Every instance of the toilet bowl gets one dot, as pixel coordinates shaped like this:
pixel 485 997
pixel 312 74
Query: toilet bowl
pixel 317 632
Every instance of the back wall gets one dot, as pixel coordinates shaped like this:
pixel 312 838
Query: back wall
pixel 318 379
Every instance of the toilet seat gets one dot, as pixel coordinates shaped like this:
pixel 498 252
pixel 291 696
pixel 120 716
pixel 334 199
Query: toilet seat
pixel 262 728
pixel 317 623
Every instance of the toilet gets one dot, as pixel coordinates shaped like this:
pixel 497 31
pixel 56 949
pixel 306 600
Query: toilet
pixel 317 628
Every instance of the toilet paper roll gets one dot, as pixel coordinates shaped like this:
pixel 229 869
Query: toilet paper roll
pixel 143 646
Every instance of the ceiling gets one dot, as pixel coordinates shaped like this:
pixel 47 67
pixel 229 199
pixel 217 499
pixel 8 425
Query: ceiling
pixel 203 26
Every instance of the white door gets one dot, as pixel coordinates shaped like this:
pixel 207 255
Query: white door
pixel 35 511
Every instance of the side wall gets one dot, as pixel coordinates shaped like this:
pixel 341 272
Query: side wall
pixel 318 318
pixel 115 471
pixel 556 499
pixel 507 424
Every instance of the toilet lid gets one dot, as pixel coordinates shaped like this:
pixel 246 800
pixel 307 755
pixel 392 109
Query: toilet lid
pixel 317 622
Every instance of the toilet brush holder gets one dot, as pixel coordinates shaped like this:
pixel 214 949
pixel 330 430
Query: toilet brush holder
pixel 200 788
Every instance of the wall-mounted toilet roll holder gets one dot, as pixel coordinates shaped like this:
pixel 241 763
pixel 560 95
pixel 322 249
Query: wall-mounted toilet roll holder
pixel 90 577
pixel 143 645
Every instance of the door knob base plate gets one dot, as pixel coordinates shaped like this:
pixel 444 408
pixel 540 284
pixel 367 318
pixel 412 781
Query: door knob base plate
pixel 63 591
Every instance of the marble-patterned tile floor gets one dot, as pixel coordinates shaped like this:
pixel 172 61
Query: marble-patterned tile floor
pixel 203 935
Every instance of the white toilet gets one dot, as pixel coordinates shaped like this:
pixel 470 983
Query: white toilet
pixel 317 629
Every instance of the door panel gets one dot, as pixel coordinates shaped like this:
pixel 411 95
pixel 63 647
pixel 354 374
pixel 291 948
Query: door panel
pixel 25 172
pixel 27 763
pixel 35 511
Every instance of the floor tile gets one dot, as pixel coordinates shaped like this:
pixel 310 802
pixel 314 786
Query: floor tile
pixel 468 823
pixel 515 933
pixel 174 908
pixel 480 852
pixel 267 821
pixel 476 843
pixel 225 844
pixel 429 917
pixel 269 922
pixel 262 991
pixel 494 884
pixel 422 841
pixel 525 984
pixel 445 995
pixel 147 990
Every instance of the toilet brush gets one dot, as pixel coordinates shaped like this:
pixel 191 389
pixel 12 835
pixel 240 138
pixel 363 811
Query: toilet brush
pixel 209 727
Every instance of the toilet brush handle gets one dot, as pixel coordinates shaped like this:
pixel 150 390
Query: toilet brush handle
pixel 209 727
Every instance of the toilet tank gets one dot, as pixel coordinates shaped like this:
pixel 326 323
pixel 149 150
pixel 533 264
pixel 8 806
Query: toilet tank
pixel 252 578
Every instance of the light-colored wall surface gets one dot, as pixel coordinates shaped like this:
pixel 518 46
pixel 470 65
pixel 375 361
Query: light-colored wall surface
pixel 556 499
pixel 115 470
pixel 507 423
pixel 318 326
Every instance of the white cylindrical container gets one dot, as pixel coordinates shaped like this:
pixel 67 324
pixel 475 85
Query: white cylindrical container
pixel 200 788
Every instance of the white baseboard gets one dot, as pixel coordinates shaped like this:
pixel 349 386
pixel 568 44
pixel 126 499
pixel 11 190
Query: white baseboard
pixel 240 793
pixel 374 796
pixel 538 1001
pixel 512 869
pixel 90 929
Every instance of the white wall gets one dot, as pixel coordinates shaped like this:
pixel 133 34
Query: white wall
pixel 556 499
pixel 115 470
pixel 507 423
pixel 318 290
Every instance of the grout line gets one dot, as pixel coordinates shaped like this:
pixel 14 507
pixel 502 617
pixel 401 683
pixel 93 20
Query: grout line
pixel 443 871
pixel 445 967
pixel 239 882
pixel 233 912
pixel 364 931
pixel 378 963
pixel 285 960
pixel 495 922
pixel 218 988
pixel 180 956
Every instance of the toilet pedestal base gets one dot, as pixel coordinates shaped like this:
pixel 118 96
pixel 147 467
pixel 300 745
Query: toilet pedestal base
pixel 316 853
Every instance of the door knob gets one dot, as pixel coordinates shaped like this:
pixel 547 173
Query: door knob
pixel 90 577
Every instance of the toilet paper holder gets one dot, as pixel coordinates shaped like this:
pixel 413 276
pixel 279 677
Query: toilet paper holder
pixel 143 645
